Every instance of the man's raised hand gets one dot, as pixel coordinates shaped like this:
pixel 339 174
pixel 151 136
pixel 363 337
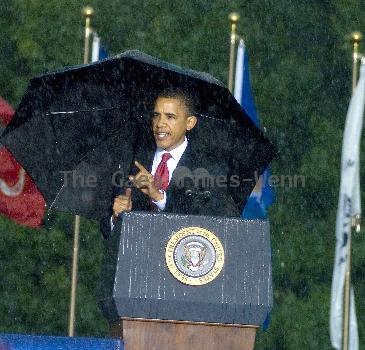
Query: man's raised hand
pixel 145 182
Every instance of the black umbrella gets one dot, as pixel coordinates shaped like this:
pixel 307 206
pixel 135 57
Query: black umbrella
pixel 74 128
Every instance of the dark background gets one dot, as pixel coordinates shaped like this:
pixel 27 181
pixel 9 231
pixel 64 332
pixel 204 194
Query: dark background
pixel 301 74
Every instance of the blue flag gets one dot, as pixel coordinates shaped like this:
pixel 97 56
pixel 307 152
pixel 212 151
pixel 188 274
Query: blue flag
pixel 263 194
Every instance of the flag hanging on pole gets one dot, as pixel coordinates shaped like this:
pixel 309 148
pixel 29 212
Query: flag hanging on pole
pixel 98 52
pixel 263 194
pixel 6 112
pixel 20 199
pixel 348 206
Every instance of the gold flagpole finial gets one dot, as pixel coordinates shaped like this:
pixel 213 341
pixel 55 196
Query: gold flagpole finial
pixel 233 18
pixel 87 12
pixel 356 38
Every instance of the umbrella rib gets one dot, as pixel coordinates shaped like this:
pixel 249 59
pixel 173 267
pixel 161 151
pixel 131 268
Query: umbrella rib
pixel 81 111
pixel 212 118
pixel 56 197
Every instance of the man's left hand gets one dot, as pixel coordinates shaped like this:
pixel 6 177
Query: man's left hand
pixel 145 182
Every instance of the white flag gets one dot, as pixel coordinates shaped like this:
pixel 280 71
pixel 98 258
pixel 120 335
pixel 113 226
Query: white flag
pixel 95 48
pixel 348 206
pixel 240 67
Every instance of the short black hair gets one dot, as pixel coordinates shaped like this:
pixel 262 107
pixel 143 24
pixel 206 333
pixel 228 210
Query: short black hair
pixel 181 95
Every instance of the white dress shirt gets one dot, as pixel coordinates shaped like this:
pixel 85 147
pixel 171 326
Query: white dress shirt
pixel 176 154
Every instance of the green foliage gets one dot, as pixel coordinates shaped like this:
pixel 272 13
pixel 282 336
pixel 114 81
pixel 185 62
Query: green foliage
pixel 35 278
pixel 301 70
pixel 293 324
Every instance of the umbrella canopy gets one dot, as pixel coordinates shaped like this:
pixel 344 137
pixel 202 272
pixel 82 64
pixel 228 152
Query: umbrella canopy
pixel 77 126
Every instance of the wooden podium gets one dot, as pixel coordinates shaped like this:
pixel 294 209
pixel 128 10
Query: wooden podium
pixel 149 308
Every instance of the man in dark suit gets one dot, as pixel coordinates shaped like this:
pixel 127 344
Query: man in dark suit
pixel 174 175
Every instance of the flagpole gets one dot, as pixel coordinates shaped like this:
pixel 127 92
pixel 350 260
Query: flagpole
pixel 75 258
pixel 355 221
pixel 234 18
pixel 87 13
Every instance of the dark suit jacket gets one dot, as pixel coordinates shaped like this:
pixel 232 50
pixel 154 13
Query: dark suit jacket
pixel 198 186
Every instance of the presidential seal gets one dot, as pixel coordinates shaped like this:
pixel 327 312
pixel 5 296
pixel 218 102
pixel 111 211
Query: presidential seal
pixel 194 256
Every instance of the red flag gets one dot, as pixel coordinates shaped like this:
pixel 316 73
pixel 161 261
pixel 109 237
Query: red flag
pixel 6 112
pixel 20 199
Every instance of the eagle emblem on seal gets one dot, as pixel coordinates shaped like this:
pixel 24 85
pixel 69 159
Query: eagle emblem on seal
pixel 193 257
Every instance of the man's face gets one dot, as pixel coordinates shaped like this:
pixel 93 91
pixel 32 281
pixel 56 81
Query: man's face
pixel 170 122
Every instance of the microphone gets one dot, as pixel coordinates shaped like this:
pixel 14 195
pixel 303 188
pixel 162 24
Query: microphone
pixel 190 190
pixel 206 195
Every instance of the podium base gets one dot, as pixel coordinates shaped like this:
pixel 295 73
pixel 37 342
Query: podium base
pixel 143 334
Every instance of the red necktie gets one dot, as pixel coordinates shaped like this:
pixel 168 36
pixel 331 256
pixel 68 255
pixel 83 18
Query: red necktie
pixel 162 173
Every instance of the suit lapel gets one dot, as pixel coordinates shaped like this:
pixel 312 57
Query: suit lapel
pixel 187 160
pixel 145 157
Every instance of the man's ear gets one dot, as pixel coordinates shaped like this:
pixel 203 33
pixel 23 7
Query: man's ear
pixel 192 120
